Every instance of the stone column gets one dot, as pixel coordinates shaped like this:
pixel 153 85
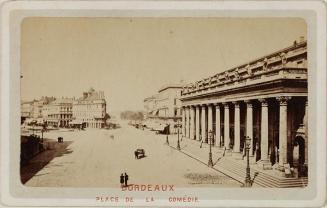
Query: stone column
pixel 283 130
pixel 237 125
pixel 249 124
pixel 306 135
pixel 187 120
pixel 264 134
pixel 218 129
pixel 203 123
pixel 183 122
pixel 226 126
pixel 197 124
pixel 192 122
pixel 210 121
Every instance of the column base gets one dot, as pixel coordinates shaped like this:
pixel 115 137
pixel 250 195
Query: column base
pixel 237 155
pixel 264 164
pixel 228 152
pixel 275 166
pixel 303 171
pixel 252 159
pixel 285 170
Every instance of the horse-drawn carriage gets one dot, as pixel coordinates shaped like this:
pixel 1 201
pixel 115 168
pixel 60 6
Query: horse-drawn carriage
pixel 139 153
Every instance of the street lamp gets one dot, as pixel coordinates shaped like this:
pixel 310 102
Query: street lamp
pixel 210 163
pixel 167 142
pixel 248 182
pixel 178 144
pixel 42 130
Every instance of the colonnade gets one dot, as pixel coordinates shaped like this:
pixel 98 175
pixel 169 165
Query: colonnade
pixel 198 120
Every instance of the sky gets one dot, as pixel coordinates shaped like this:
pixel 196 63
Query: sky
pixel 131 58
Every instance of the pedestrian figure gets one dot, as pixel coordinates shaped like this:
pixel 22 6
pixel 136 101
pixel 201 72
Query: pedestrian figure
pixel 136 155
pixel 122 180
pixel 126 179
pixel 224 152
pixel 201 143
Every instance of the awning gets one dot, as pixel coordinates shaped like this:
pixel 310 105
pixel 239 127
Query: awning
pixel 76 122
pixel 35 127
pixel 40 121
pixel 30 120
pixel 159 128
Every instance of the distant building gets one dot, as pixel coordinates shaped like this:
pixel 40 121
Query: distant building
pixel 90 109
pixel 26 110
pixel 164 107
pixel 58 112
pixel 38 106
pixel 149 105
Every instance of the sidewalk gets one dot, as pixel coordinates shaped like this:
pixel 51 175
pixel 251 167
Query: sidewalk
pixel 234 166
pixel 192 149
pixel 52 150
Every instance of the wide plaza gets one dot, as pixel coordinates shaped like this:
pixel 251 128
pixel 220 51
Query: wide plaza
pixel 97 157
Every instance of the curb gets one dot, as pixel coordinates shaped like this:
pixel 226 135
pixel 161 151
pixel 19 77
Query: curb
pixel 224 172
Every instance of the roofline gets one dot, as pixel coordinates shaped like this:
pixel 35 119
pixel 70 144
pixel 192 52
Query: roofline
pixel 298 45
pixel 172 86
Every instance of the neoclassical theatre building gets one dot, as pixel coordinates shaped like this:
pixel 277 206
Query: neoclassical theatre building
pixel 264 99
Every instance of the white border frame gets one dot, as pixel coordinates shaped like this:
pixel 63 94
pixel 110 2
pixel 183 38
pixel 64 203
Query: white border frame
pixel 10 107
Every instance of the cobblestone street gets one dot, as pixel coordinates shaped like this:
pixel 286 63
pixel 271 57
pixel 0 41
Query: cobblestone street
pixel 96 158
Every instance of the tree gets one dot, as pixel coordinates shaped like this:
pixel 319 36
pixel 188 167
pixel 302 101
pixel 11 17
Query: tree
pixel 131 115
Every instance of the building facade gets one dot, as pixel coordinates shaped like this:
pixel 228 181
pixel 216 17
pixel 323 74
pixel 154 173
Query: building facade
pixel 58 113
pixel 38 106
pixel 149 106
pixel 27 109
pixel 264 99
pixel 165 107
pixel 90 109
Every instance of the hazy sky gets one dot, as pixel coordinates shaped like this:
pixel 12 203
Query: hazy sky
pixel 131 58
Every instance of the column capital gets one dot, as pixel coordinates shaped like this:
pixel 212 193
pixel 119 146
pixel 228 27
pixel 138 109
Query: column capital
pixel 283 99
pixel 236 104
pixel 225 104
pixel 217 105
pixel 264 102
pixel 248 103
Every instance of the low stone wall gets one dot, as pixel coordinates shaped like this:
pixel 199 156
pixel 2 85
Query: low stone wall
pixel 30 146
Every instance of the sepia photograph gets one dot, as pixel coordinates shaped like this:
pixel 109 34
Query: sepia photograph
pixel 156 109
pixel 104 101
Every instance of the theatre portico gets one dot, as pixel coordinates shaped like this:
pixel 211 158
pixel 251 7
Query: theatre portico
pixel 264 99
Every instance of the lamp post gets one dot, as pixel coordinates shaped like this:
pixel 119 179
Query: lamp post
pixel 42 135
pixel 248 182
pixel 178 143
pixel 167 142
pixel 210 163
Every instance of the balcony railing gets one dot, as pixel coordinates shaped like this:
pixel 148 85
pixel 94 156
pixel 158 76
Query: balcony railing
pixel 291 61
